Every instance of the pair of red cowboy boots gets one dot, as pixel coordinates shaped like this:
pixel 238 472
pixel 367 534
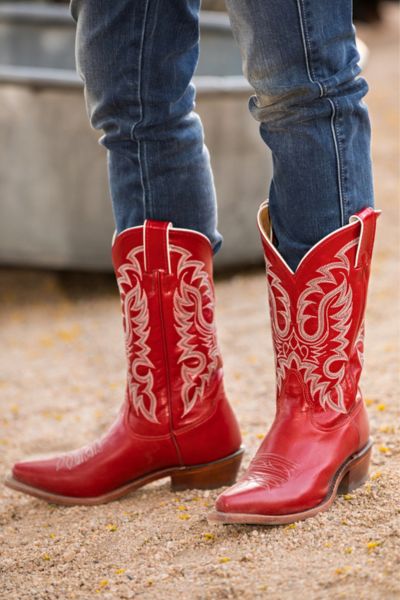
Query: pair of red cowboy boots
pixel 176 420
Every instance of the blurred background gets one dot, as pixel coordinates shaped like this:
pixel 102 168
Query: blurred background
pixel 55 210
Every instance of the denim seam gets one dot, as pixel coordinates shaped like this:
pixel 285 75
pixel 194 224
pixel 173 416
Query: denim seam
pixel 341 139
pixel 150 211
pixel 141 157
pixel 337 144
pixel 307 46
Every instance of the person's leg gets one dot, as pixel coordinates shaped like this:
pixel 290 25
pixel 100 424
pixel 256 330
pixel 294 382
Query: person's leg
pixel 301 58
pixel 137 60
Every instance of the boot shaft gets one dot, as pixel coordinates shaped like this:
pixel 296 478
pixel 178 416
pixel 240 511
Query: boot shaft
pixel 317 316
pixel 164 276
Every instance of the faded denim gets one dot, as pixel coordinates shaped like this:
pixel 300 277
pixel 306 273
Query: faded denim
pixel 137 60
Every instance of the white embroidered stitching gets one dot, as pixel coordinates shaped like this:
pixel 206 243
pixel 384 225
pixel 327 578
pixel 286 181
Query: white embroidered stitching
pixel 269 470
pixel 193 296
pixel 73 459
pixel 295 345
pixel 137 330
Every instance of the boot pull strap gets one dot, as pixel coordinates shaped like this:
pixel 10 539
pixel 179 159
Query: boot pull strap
pixel 367 219
pixel 156 245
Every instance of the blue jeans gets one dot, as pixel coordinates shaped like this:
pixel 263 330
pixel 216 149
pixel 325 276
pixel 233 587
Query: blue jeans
pixel 137 59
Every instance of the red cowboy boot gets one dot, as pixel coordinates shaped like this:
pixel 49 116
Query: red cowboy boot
pixel 319 442
pixel 176 421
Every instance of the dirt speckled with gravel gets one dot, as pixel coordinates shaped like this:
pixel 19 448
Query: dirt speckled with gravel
pixel 62 379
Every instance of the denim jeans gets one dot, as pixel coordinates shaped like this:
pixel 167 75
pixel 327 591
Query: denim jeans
pixel 137 59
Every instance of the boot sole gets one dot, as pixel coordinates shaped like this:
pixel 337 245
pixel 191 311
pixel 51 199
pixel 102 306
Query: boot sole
pixel 203 477
pixel 352 474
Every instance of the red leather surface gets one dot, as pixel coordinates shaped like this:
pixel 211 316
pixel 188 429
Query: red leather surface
pixel 175 411
pixel 317 318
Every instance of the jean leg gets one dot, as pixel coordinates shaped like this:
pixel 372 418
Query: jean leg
pixel 137 60
pixel 301 58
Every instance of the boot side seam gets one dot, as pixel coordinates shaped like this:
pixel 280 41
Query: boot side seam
pixel 167 368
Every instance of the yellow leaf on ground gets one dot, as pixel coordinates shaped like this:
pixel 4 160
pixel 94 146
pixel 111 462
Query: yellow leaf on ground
pixel 69 335
pixel 342 570
pixel 348 496
pixel 373 544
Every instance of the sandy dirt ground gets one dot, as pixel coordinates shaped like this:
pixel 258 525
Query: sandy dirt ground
pixel 62 379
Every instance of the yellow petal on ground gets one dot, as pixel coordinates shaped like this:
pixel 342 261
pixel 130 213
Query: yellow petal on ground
pixel 376 475
pixel 224 559
pixel 342 570
pixel 390 348
pixel 348 496
pixel 184 516
pixel 120 571
pixel 103 583
pixel 387 429
pixel 373 544
pixel 252 359
pixel 112 527
pixel 69 335
pixel 208 536
pixel 383 449
pixel 381 406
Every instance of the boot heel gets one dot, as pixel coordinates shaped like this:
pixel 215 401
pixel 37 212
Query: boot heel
pixel 209 476
pixel 357 474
